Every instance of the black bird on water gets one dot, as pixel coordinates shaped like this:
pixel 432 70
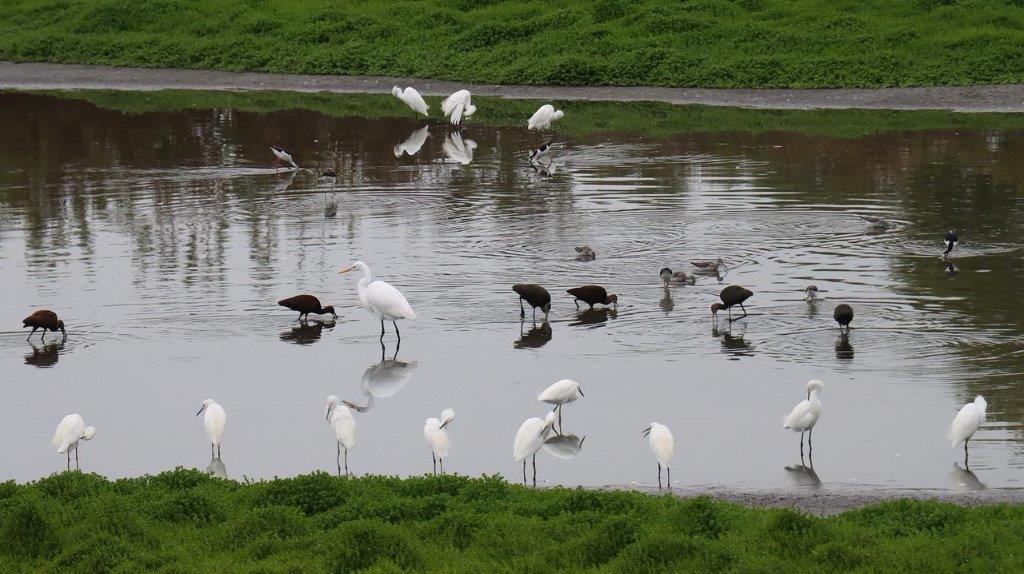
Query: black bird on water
pixel 306 304
pixel 535 295
pixel 730 296
pixel 843 315
pixel 46 320
pixel 593 295
pixel 952 242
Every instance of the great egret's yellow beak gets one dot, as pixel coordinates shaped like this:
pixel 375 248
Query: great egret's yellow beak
pixel 346 270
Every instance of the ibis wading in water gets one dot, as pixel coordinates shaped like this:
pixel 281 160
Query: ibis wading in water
pixel 663 445
pixel 805 415
pixel 535 295
pixel 436 435
pixel 843 315
pixel 214 422
pixel 411 98
pixel 966 423
pixel 593 295
pixel 306 304
pixel 529 438
pixel 730 296
pixel 69 432
pixel 46 320
pixel 381 299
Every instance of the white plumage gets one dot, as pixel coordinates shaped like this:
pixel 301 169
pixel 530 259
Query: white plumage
pixel 413 143
pixel 458 106
pixel 542 118
pixel 381 299
pixel 561 392
pixel 458 151
pixel 967 421
pixel 340 418
pixel 214 422
pixel 283 156
pixel 663 446
pixel 411 98
pixel 69 432
pixel 530 437
pixel 436 435
pixel 805 414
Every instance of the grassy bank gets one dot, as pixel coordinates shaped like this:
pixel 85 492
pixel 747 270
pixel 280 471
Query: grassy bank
pixel 712 43
pixel 185 521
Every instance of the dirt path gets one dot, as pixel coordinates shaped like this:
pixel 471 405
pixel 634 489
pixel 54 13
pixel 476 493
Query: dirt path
pixel 1005 98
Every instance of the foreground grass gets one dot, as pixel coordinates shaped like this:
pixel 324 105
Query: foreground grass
pixel 714 43
pixel 185 521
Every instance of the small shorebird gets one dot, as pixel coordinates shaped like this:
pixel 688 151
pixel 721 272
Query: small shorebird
pixel 811 293
pixel 708 265
pixel 952 242
pixel 543 151
pixel 669 276
pixel 282 157
pixel 586 253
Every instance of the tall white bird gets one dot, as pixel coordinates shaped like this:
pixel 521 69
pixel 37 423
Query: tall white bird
pixel 458 106
pixel 437 437
pixel 529 438
pixel 381 299
pixel 966 423
pixel 413 143
pixel 411 98
pixel 339 416
pixel 457 151
pixel 805 414
pixel 214 421
pixel 659 438
pixel 560 393
pixel 69 432
pixel 283 157
pixel 542 118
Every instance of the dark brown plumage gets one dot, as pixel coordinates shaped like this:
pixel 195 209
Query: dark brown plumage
pixel 730 296
pixel 46 320
pixel 535 295
pixel 593 295
pixel 843 315
pixel 306 304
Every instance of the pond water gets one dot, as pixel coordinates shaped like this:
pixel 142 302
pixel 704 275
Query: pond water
pixel 164 239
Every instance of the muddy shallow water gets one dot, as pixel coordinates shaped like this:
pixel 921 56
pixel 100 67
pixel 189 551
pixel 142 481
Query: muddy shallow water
pixel 164 239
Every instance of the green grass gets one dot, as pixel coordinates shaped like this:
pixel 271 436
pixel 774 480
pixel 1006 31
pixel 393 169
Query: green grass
pixel 185 521
pixel 713 43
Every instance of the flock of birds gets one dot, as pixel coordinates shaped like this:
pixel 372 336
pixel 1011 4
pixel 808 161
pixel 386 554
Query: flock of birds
pixel 388 304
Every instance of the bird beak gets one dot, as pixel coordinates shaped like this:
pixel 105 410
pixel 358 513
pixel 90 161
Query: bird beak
pixel 201 410
pixel 581 392
pixel 445 423
pixel 328 412
pixel 352 406
pixel 646 431
pixel 345 270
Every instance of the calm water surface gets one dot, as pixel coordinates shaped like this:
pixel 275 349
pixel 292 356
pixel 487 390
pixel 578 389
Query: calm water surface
pixel 165 239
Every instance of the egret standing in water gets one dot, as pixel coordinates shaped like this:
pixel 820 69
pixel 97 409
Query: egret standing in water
pixel 663 445
pixel 805 415
pixel 214 422
pixel 543 117
pixel 411 98
pixel 343 424
pixel 381 299
pixel 458 106
pixel 69 432
pixel 966 423
pixel 529 438
pixel 560 393
pixel 437 437
pixel 952 242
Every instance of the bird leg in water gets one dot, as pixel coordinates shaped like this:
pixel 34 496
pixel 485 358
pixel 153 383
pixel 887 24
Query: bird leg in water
pixel 77 466
pixel 810 445
pixel 32 333
pixel 211 451
pixel 965 453
pixel 346 462
pixel 382 330
pixel 69 460
pixel 218 452
pixel 337 458
pixel 442 466
pixel 522 311
pixel 577 302
pixel 668 483
pixel 801 444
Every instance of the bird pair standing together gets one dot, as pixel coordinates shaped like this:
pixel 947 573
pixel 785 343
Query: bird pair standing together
pixel 534 431
pixel 455 107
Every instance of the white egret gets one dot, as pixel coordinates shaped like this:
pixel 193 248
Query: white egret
pixel 381 299
pixel 457 106
pixel 542 118
pixel 805 415
pixel 283 157
pixel 966 423
pixel 343 424
pixel 69 432
pixel 214 421
pixel 457 151
pixel 413 143
pixel 411 98
pixel 560 393
pixel 529 438
pixel 659 438
pixel 437 437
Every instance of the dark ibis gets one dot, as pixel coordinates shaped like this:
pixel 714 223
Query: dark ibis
pixel 306 304
pixel 843 315
pixel 731 296
pixel 709 265
pixel 46 320
pixel 535 295
pixel 952 242
pixel 593 295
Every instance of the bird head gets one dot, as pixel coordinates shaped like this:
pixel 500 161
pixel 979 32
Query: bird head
pixel 612 299
pixel 356 266
pixel 332 401
pixel 546 308
pixel 716 307
pixel 647 430
pixel 665 274
pixel 396 91
pixel 470 110
pixel 60 325
pixel 330 309
pixel 88 433
pixel 814 386
pixel 206 403
pixel 559 114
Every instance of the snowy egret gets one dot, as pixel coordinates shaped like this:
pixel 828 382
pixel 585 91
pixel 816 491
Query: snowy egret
pixel 560 393
pixel 805 415
pixel 69 432
pixel 281 156
pixel 542 118
pixel 659 438
pixel 593 295
pixel 535 295
pixel 214 422
pixel 46 320
pixel 381 299
pixel 413 143
pixel 952 242
pixel 966 423
pixel 456 150
pixel 457 106
pixel 843 315
pixel 586 253
pixel 731 296
pixel 437 437
pixel 411 98
pixel 306 304
pixel 343 424
pixel 529 438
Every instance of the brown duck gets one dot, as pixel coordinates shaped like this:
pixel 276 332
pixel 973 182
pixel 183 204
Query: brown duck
pixel 46 320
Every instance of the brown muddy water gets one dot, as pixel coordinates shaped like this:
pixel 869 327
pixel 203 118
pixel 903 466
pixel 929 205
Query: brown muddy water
pixel 164 239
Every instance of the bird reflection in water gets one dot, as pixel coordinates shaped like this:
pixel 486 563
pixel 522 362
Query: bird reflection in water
pixel 285 181
pixel 595 316
pixel 951 270
pixel 734 345
pixel 458 151
pixel 844 350
pixel 803 475
pixel 44 356
pixel 965 478
pixel 666 303
pixel 216 468
pixel 306 333
pixel 535 338
pixel 564 446
pixel 543 169
pixel 413 143
pixel 384 379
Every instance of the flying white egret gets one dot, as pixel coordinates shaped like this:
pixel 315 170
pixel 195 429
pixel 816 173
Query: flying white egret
pixel 411 98
pixel 283 157
pixel 214 422
pixel 659 438
pixel 542 118
pixel 966 423
pixel 529 438
pixel 343 424
pixel 381 299
pixel 457 106
pixel 805 415
pixel 560 393
pixel 69 432
pixel 457 151
pixel 437 437
pixel 413 143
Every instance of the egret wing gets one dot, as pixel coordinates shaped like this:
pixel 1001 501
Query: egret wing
pixel 388 302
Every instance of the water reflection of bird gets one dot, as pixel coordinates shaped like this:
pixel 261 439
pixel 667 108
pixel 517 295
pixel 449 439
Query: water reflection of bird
pixel 805 414
pixel 384 379
pixel 965 478
pixel 594 316
pixel 585 253
pixel 46 320
pixel 282 157
pixel 876 225
pixel 214 422
pixel 803 475
pixel 951 270
pixel 458 106
pixel 735 345
pixel 436 435
pixel 306 304
pixel 708 265
pixel 564 446
pixel 216 468
pixel 561 393
pixel 306 333
pixel 535 295
pixel 843 315
pixel 663 446
pixel 543 117
pixel 731 296
pixel 844 350
pixel 952 242
pixel 411 98
pixel 413 143
pixel 344 426
pixel 593 295
pixel 542 169
pixel 666 303
pixel 535 338
pixel 966 422
pixel 70 431
pixel 285 182
pixel 456 150
pixel 381 299
pixel 529 439
pixel 45 356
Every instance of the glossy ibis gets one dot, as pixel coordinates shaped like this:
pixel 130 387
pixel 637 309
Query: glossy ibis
pixel 843 315
pixel 381 299
pixel 46 320
pixel 306 304
pixel 535 295
pixel 952 242
pixel 805 414
pixel 593 295
pixel 730 296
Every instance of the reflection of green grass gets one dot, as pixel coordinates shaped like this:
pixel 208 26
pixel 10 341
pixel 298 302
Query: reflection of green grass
pixel 718 43
pixel 647 118
pixel 314 523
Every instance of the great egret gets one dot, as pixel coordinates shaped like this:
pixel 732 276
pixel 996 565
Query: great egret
pixel 69 432
pixel 966 423
pixel 535 295
pixel 381 299
pixel 457 106
pixel 659 438
pixel 952 242
pixel 281 156
pixel 458 151
pixel 560 393
pixel 542 118
pixel 306 304
pixel 437 437
pixel 214 422
pixel 805 415
pixel 844 316
pixel 593 295
pixel 731 296
pixel 411 98
pixel 343 424
pixel 46 320
pixel 413 143
pixel 529 438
